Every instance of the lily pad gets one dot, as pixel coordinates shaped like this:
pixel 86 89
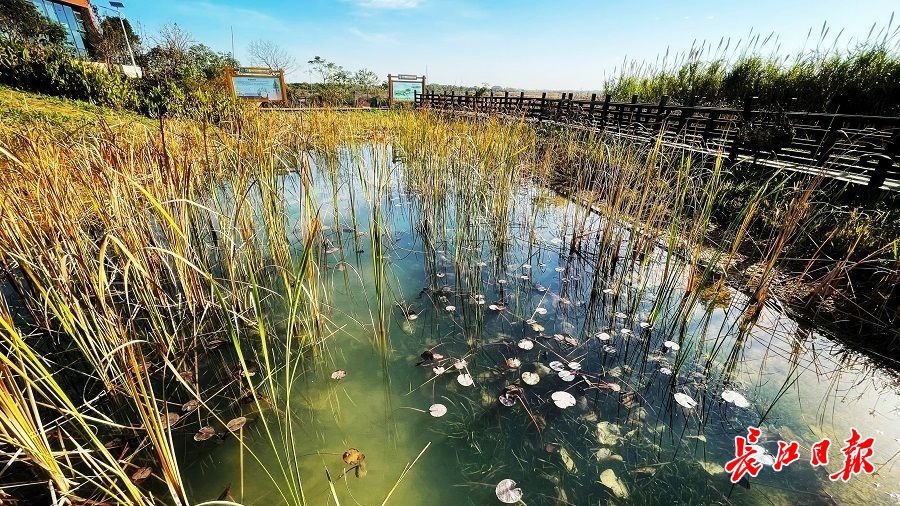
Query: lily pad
pixel 236 423
pixel 190 405
pixel 541 311
pixel 451 308
pixel 437 410
pixel 672 345
pixel 204 433
pixel 603 336
pixel 735 398
pixel 566 375
pixel 557 366
pixel 562 399
pixel 507 399
pixel 513 363
pixel 526 344
pixel 339 374
pixel 530 378
pixel 685 400
pixel 465 379
pixel 508 492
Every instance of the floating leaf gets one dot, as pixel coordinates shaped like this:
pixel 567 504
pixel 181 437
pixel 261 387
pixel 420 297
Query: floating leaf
pixel 666 371
pixel 493 307
pixel 625 332
pixel 645 325
pixel 507 492
pixel 608 434
pixel 507 400
pixel 620 315
pixel 537 327
pixel 460 364
pixel 530 378
pixel 465 379
pixel 339 374
pixel 167 420
pixel 439 370
pixel 412 316
pixel 574 366
pixel 451 308
pixel 513 363
pixel 526 344
pixel 609 349
pixel 672 345
pixel 204 433
pixel 190 405
pixel 353 457
pixel 711 467
pixel 562 399
pixel 607 291
pixel 685 400
pixel 236 423
pixel 609 480
pixel 541 311
pixel 567 460
pixel 141 474
pixel 603 336
pixel 526 266
pixel 437 410
pixel 735 398
pixel 556 365
pixel 566 375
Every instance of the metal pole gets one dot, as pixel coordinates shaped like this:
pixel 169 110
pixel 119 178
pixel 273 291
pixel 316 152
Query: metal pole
pixel 125 34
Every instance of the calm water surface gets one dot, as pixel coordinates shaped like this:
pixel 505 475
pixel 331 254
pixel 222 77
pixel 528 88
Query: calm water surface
pixel 800 385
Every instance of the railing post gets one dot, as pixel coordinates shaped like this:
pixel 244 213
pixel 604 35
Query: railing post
pixel 634 106
pixel 543 104
pixel 590 117
pixel 661 113
pixel 562 98
pixel 521 101
pixel 605 110
pixel 746 118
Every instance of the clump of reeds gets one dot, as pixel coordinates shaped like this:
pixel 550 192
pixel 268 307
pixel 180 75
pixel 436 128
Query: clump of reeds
pixel 829 74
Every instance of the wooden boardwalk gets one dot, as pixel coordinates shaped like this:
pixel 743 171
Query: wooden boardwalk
pixel 863 150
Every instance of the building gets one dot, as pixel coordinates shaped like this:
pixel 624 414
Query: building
pixel 76 18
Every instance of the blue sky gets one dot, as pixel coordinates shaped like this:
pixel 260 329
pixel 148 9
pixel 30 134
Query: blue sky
pixel 529 44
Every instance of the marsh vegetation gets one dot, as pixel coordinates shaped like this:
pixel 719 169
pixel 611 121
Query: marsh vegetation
pixel 399 307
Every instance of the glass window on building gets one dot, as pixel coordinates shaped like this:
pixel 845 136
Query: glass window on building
pixel 71 21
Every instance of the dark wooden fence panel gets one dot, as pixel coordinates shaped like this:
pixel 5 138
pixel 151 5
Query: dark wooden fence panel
pixel 860 149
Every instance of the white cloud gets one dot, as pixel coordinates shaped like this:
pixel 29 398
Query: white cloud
pixel 389 4
pixel 372 36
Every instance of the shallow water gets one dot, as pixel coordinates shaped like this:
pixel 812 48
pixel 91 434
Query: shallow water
pixel 800 385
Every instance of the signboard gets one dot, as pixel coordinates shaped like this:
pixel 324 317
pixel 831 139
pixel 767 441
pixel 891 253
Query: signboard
pixel 268 88
pixel 405 92
pixel 404 88
pixel 258 84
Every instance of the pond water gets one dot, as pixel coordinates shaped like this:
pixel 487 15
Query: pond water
pixel 500 290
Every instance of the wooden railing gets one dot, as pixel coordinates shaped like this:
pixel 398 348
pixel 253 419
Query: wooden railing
pixel 859 149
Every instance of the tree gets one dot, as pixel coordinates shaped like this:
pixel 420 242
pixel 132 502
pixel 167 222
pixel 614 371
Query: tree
pixel 365 79
pixel 20 19
pixel 325 68
pixel 266 53
pixel 110 44
pixel 176 57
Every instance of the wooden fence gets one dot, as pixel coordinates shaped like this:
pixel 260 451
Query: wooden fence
pixel 859 149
